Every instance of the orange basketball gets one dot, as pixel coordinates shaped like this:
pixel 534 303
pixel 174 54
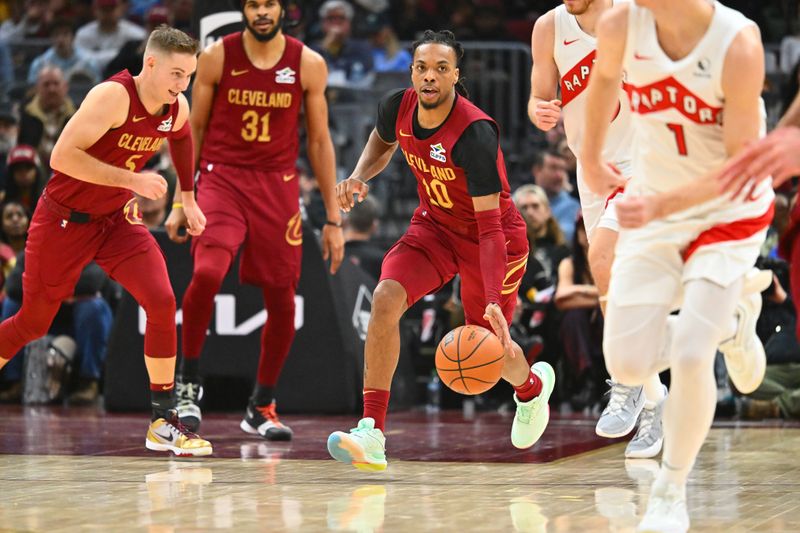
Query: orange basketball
pixel 469 359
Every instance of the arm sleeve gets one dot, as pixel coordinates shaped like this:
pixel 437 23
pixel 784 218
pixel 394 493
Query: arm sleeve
pixel 388 109
pixel 476 152
pixel 181 148
pixel 492 251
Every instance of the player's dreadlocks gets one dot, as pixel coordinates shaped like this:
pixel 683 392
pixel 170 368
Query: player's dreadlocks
pixel 446 38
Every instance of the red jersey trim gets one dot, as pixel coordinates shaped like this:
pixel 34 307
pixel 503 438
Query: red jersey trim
pixel 733 231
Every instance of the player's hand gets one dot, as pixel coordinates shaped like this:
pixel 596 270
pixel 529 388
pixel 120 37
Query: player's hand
pixel 637 211
pixel 195 219
pixel 494 315
pixel 547 114
pixel 345 190
pixel 175 221
pixel 603 179
pixel 776 155
pixel 333 246
pixel 150 185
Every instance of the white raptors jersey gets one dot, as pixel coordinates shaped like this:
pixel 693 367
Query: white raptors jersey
pixel 677 105
pixel 574 53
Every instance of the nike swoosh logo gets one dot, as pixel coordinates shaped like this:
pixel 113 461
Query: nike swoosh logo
pixel 641 57
pixel 138 119
pixel 567 43
pixel 404 134
pixel 288 177
pixel 167 437
pixel 235 72
pixel 166 387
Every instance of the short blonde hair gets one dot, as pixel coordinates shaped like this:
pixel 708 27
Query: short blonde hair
pixel 167 39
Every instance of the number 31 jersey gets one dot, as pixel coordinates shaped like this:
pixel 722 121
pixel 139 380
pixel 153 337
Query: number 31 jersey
pixel 677 105
pixel 254 118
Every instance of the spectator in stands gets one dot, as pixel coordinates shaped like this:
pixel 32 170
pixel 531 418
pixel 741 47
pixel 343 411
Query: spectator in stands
pixel 14 222
pixel 412 17
pixel 545 237
pixel 349 60
pixel 581 328
pixel 549 170
pixel 64 55
pixel 360 224
pixel 387 54
pixel 86 317
pixel 489 22
pixel 24 183
pixel 31 22
pixel 44 117
pixel 138 9
pixel 8 138
pixel 181 12
pixel 103 38
pixel 131 54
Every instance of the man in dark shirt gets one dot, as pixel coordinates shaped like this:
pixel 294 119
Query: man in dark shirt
pixel 465 224
pixel 359 227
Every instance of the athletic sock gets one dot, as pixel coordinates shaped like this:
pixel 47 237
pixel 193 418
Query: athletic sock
pixel 190 370
pixel 530 388
pixel 376 403
pixel 161 399
pixel 262 395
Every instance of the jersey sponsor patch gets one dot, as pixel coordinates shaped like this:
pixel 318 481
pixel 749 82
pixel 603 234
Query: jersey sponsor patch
pixel 437 152
pixel 285 75
pixel 166 124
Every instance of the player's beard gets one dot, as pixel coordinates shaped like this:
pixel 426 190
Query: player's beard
pixel 266 37
pixel 580 11
pixel 433 105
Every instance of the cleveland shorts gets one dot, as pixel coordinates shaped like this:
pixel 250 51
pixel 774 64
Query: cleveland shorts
pixel 259 211
pixel 57 250
pixel 429 254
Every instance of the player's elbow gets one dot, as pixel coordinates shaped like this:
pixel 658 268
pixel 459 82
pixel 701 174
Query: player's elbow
pixel 57 157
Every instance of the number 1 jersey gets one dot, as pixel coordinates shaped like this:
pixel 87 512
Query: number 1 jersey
pixel 254 118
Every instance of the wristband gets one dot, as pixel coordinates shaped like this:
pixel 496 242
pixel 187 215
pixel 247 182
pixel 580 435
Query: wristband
pixel 177 205
pixel 336 224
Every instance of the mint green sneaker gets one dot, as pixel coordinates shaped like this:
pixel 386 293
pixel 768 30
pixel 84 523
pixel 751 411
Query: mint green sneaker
pixel 364 447
pixel 532 417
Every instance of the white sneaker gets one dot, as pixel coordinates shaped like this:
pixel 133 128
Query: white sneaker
pixel 364 446
pixel 744 353
pixel 666 510
pixel 649 437
pixel 620 415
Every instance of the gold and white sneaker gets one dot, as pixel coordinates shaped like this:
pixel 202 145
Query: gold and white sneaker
pixel 169 435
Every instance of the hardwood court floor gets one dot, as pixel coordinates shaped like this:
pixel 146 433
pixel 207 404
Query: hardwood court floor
pixel 80 470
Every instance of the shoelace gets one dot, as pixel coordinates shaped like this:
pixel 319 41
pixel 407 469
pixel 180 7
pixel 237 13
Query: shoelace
pixel 645 424
pixel 177 428
pixel 187 393
pixel 268 412
pixel 619 397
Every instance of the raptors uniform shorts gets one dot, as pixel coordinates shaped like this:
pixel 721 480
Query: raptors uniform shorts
pixel 57 249
pixel 598 211
pixel 429 254
pixel 718 241
pixel 256 210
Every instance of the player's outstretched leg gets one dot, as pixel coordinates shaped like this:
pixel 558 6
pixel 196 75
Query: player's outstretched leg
pixel 154 293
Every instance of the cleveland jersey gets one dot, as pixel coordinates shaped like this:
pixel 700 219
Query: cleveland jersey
pixel 255 113
pixel 574 52
pixel 130 146
pixel 678 105
pixel 442 185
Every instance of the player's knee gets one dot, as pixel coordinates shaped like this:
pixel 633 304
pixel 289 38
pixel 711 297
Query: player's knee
pixel 160 306
pixel 388 301
pixel 691 357
pixel 208 275
pixel 279 300
pixel 624 362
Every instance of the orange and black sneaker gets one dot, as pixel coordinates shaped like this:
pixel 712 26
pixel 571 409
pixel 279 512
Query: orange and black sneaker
pixel 263 420
pixel 169 435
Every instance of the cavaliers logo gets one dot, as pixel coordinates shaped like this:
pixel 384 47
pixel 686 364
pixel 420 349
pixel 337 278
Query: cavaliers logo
pixel 515 266
pixel 294 230
pixel 132 213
